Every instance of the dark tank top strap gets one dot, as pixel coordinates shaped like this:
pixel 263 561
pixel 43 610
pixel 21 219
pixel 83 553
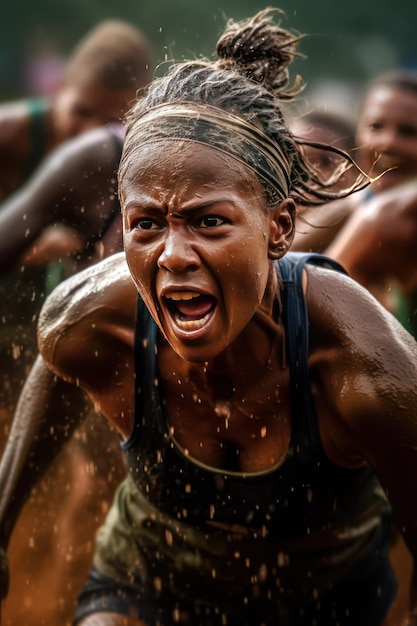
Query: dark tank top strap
pixel 296 324
pixel 145 347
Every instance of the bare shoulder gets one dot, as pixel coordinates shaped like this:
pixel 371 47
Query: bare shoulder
pixel 378 241
pixel 406 191
pixel 363 360
pixel 392 214
pixel 101 139
pixel 99 301
pixel 340 308
pixel 88 152
pixel 363 369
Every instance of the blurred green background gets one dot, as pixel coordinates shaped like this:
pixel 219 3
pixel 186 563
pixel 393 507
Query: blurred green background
pixel 346 42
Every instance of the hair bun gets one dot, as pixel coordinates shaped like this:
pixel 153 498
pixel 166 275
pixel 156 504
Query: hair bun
pixel 261 50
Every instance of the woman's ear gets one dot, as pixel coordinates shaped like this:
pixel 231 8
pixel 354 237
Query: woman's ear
pixel 281 231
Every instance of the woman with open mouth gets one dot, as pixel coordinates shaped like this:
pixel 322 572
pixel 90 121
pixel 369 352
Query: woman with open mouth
pixel 266 403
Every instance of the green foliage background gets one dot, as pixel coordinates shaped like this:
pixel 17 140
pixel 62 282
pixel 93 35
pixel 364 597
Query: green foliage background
pixel 347 41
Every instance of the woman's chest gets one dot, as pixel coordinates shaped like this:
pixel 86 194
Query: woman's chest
pixel 236 428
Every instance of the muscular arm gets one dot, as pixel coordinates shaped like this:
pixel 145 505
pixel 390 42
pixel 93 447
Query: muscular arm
pixel 86 333
pixel 46 415
pixel 85 336
pixel 365 369
pixel 74 186
pixel 379 240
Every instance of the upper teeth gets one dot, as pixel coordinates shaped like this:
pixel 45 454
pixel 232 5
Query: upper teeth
pixel 182 295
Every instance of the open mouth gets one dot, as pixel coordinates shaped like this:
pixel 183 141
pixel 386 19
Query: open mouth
pixel 190 310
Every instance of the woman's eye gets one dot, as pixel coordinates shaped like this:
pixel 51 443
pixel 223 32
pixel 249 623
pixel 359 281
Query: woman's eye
pixel 145 224
pixel 211 221
pixel 375 126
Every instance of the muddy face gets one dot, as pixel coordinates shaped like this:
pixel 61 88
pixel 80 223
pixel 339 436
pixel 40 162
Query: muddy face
pixel 196 233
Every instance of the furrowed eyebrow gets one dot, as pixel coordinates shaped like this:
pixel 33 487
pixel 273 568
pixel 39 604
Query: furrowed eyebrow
pixel 207 204
pixel 136 205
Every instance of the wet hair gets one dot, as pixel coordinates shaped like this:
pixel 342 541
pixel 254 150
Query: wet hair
pixel 249 79
pixel 115 55
pixel 340 125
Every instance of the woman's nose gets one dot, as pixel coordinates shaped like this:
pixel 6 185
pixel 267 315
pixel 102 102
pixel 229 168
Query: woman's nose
pixel 178 253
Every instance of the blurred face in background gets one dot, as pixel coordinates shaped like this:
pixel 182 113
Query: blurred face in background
pixel 333 131
pixel 387 135
pixel 81 107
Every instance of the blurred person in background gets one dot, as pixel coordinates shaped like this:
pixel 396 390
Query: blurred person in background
pixel 99 83
pixel 320 125
pixel 373 232
pixel 378 243
pixel 101 80
pixel 60 212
